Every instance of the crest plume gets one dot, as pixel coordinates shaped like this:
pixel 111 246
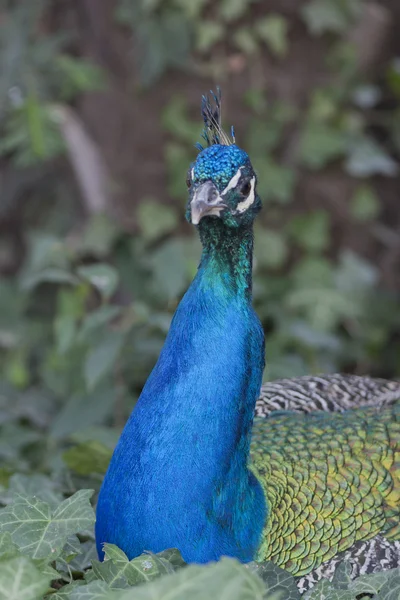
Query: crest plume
pixel 211 113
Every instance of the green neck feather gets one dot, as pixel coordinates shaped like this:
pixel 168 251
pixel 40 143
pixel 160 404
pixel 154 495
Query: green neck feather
pixel 227 255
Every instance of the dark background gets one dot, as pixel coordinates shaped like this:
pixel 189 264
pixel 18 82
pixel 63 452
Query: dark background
pixel 99 113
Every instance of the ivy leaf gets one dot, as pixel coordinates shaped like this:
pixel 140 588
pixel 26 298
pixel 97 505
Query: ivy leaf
pixel 101 359
pixel 82 411
pixel 365 205
pixel 276 181
pixel 271 250
pixel 49 275
pixel 324 590
pixel 230 10
pixel 342 576
pixel 224 579
pixel 96 320
pixel 119 572
pixel 102 276
pixel 88 457
pixel 208 33
pixel 7 548
pixel 320 144
pixel 330 15
pixel 156 219
pixel 21 580
pixel 311 231
pixel 273 31
pixel 246 42
pixel 366 158
pixel 34 485
pixel 40 533
pixel 96 590
pixel 65 593
pixel 372 583
pixel 277 580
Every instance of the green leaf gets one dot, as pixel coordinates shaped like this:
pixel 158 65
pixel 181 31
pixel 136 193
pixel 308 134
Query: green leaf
pixel 393 77
pixel 365 205
pixel 320 144
pixel 97 320
pixel 225 579
pixel 311 230
pixel 208 33
pixel 65 331
pixel 96 590
pixel 82 411
pixel 177 122
pixel 279 583
pixel 174 557
pixel 273 31
pixel 30 133
pixel 161 42
pixel 102 276
pixel 89 457
pixel 276 181
pixel 35 485
pixel 177 158
pixel 330 15
pixel 7 547
pixel 342 577
pixel 21 580
pixel 373 582
pixel 355 274
pixel 245 40
pixel 49 275
pixel 119 572
pixel 40 533
pixel 324 590
pixel 85 558
pixel 271 250
pixel 101 360
pixel 78 76
pixel 230 10
pixel 366 158
pixel 169 269
pixel 65 592
pixel 155 219
pixel 99 236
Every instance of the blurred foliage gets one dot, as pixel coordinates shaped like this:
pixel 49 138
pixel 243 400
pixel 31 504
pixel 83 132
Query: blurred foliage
pixel 84 316
pixel 83 319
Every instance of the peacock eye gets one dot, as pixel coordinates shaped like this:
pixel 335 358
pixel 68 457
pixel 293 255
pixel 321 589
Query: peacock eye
pixel 245 188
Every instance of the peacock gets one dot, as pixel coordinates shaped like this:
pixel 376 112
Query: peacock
pixel 302 475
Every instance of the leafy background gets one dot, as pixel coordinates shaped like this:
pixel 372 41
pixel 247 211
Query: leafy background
pixel 99 112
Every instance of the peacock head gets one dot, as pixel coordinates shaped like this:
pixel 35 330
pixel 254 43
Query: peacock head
pixel 222 183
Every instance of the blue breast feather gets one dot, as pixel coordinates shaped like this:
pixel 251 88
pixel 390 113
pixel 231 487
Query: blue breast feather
pixel 178 477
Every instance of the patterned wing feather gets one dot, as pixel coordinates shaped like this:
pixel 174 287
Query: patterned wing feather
pixel 330 479
pixel 333 393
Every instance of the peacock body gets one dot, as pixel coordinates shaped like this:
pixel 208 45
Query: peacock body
pixel 191 469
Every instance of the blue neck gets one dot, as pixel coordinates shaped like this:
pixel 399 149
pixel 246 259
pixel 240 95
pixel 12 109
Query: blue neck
pixel 179 475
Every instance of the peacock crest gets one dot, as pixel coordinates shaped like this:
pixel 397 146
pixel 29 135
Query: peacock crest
pixel 213 132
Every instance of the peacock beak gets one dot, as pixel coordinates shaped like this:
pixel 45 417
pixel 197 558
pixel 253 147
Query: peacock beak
pixel 206 201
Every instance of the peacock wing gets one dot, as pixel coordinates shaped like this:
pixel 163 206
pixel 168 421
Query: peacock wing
pixel 330 480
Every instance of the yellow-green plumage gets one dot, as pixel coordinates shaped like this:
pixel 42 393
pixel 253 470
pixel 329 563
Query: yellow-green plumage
pixel 330 479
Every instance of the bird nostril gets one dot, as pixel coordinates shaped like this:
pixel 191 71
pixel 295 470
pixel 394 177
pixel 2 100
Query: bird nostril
pixel 212 195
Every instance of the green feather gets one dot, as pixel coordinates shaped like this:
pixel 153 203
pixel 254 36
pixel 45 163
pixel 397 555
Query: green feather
pixel 330 479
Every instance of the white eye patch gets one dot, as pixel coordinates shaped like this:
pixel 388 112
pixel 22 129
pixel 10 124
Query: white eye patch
pixel 233 182
pixel 245 204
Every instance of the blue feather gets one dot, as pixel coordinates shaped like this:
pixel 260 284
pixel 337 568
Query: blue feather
pixel 179 476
